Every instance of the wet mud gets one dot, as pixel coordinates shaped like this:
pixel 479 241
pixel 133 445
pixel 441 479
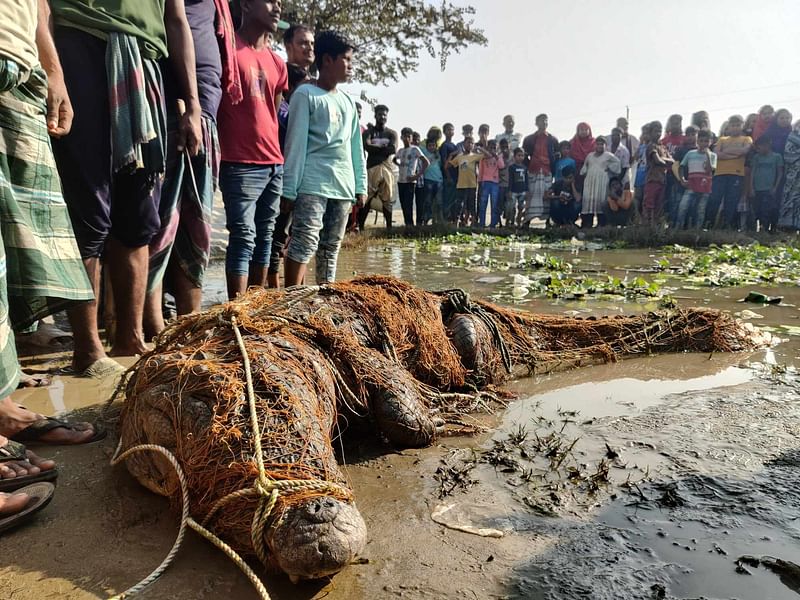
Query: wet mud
pixel 661 477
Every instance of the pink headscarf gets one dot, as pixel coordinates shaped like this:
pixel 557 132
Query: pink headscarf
pixel 580 147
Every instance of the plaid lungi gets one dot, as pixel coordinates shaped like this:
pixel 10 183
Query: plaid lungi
pixel 45 273
pixel 538 183
pixel 185 218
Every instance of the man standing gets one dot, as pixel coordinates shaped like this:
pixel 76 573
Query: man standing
pixel 112 161
pixel 541 149
pixel 180 252
pixel 40 266
pixel 446 151
pixel 514 139
pixel 627 139
pixel 380 144
pixel 299 43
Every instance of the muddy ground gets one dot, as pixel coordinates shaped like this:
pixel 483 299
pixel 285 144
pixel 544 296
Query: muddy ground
pixel 702 457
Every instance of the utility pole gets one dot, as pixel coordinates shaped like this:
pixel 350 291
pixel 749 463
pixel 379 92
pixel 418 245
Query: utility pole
pixel 628 113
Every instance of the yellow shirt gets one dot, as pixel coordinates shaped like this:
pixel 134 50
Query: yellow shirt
pixel 467 170
pixel 18 33
pixel 732 166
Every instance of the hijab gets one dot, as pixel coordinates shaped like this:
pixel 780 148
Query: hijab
pixel 580 147
pixel 778 135
pixel 763 125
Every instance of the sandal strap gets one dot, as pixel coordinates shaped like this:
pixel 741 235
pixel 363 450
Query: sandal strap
pixel 13 451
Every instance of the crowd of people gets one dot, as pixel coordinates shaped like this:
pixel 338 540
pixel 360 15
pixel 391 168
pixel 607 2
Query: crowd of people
pixel 118 120
pixel 746 178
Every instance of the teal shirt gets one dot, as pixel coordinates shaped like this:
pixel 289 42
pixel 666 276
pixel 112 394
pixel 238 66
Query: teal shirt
pixel 765 169
pixel 434 171
pixel 324 155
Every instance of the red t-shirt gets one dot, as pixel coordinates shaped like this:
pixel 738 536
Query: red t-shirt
pixel 248 131
pixel 540 159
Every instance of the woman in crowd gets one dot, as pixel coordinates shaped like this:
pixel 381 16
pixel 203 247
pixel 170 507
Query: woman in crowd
pixel 597 168
pixel 790 205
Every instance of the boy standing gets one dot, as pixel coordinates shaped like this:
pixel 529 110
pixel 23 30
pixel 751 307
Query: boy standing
pixel 507 160
pixel 696 173
pixel 766 174
pixel 728 181
pixel 466 162
pixel 489 179
pixel 251 173
pixel 432 205
pixel 408 160
pixel 565 161
pixel 658 161
pixel 446 150
pixel 325 166
pixel 518 189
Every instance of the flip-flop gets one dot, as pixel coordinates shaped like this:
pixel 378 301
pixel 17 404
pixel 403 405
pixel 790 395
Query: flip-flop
pixel 40 496
pixel 100 369
pixel 14 451
pixel 32 380
pixel 46 337
pixel 34 432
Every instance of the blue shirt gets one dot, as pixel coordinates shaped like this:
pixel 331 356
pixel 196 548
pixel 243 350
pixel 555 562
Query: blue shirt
pixel 445 150
pixel 561 163
pixel 324 152
pixel 434 170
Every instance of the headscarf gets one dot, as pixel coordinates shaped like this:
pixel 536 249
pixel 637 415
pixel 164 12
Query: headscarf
pixel 777 134
pixel 231 82
pixel 580 147
pixel 762 125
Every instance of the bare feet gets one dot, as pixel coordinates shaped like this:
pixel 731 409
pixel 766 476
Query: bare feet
pixel 11 504
pixel 15 418
pixel 29 380
pixel 33 465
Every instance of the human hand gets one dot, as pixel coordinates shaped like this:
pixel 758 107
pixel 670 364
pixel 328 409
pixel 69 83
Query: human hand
pixel 189 130
pixel 286 206
pixel 361 200
pixel 59 107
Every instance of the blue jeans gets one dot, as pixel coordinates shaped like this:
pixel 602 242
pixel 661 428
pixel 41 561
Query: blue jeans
pixel 431 206
pixel 490 190
pixel 252 197
pixel 726 191
pixel 318 226
pixel 691 210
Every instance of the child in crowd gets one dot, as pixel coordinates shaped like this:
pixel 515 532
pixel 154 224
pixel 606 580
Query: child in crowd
pixel 619 203
pixel 565 159
pixel 489 181
pixel 483 136
pixel 518 189
pixel 695 175
pixel 640 171
pixel 766 174
pixel 434 180
pixel 731 150
pixel 675 188
pixel 419 187
pixel 466 131
pixel 325 164
pixel 674 137
pixel 464 209
pixel 505 154
pixel 658 161
pixel 408 160
pixel 564 199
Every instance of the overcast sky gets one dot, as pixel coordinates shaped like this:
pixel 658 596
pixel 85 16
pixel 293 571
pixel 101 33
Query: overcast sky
pixel 585 60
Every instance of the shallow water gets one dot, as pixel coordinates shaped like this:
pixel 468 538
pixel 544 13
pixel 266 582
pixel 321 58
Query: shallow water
pixel 724 433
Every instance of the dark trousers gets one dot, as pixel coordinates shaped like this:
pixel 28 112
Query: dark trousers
pixel 766 210
pixel 406 192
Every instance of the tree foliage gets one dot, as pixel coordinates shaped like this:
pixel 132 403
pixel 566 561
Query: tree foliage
pixel 391 34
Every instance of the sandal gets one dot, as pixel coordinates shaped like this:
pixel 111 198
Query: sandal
pixel 40 496
pixel 34 432
pixel 14 451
